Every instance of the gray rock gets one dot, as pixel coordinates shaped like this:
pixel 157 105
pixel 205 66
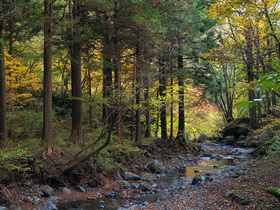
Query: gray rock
pixel 49 206
pixel 124 183
pixel 79 188
pixel 130 176
pixel 229 140
pixel 118 178
pixel 145 187
pixel 66 190
pixel 14 207
pixel 145 203
pixel 209 179
pixel 202 138
pixel 152 184
pixel 27 199
pixel 155 167
pixel 196 180
pixel 147 177
pixel 36 201
pixel 46 190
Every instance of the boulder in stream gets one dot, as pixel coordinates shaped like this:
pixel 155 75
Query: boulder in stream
pixel 155 167
pixel 145 187
pixel 229 140
pixel 197 180
pixel 46 190
pixel 130 176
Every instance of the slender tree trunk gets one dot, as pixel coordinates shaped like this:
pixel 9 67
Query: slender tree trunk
pixel 250 74
pixel 272 100
pixel 158 116
pixel 162 92
pixel 171 106
pixel 257 43
pixel 138 94
pixel 181 125
pixel 117 68
pixel 47 127
pixel 76 138
pixel 89 92
pixel 148 113
pixel 3 124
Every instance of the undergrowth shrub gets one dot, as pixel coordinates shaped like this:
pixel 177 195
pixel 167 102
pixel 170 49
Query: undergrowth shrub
pixel 15 163
pixel 117 155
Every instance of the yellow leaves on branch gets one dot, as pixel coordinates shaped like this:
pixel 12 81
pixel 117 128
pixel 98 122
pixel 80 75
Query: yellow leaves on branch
pixel 20 82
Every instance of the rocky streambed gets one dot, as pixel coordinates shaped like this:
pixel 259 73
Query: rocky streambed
pixel 131 191
pixel 166 182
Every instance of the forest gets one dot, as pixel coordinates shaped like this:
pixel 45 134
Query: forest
pixel 93 86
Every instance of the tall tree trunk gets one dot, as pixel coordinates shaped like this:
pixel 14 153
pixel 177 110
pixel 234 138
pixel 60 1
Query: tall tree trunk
pixel 3 125
pixel 107 76
pixel 162 92
pixel 250 74
pixel 138 94
pixel 117 68
pixel 89 90
pixel 76 138
pixel 181 125
pixel 47 127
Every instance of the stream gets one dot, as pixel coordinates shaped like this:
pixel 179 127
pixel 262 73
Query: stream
pixel 209 166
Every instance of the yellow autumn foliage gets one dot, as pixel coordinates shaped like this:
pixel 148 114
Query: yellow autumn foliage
pixel 20 82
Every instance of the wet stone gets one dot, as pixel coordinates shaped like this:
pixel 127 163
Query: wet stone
pixel 130 176
pixel 46 190
pixel 145 187
pixel 197 180
pixel 112 194
pixel 79 188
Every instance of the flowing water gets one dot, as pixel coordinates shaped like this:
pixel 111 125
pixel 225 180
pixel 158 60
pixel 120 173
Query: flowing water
pixel 169 185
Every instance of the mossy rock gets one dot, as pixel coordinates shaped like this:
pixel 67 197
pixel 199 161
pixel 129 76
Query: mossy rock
pixel 273 191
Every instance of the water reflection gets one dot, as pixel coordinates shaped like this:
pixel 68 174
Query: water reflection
pixel 207 166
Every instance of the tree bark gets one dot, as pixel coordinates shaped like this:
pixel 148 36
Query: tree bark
pixel 171 107
pixel 47 127
pixel 107 75
pixel 148 114
pixel 3 124
pixel 250 74
pixel 76 136
pixel 162 92
pixel 181 125
pixel 117 68
pixel 138 94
